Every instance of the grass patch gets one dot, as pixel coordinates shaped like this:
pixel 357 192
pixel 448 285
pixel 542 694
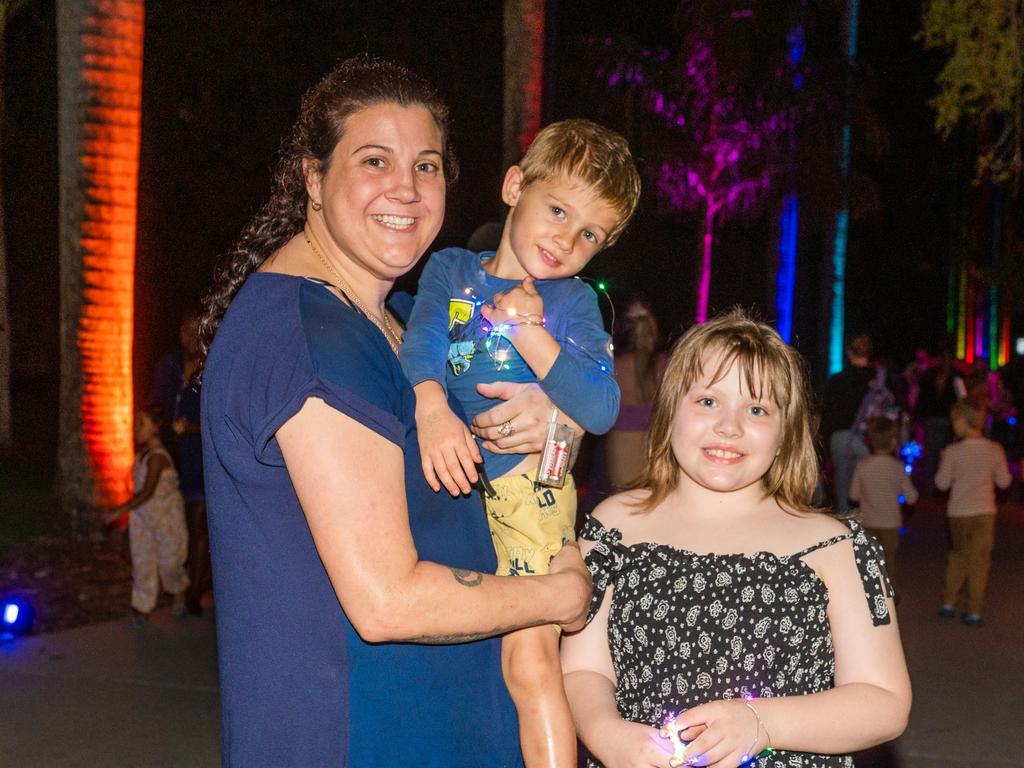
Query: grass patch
pixel 26 501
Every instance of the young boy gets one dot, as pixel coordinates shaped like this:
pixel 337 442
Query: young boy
pixel 518 315
pixel 878 483
pixel 970 469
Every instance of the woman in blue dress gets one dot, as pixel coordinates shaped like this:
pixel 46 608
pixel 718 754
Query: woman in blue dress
pixel 342 640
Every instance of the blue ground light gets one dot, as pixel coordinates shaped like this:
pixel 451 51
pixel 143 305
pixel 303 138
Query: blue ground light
pixel 16 617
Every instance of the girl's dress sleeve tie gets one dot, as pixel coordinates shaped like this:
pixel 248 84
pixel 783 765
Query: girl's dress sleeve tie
pixel 871 565
pixel 604 561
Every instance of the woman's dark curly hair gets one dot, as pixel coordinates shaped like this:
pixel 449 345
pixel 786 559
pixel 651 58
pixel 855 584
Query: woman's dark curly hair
pixel 353 85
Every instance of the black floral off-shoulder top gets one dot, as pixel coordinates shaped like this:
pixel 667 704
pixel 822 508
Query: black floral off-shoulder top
pixel 685 629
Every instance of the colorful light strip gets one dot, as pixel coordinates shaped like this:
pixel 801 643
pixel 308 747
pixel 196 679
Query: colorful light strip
pixel 993 328
pixel 969 323
pixel 112 73
pixel 1004 347
pixel 961 318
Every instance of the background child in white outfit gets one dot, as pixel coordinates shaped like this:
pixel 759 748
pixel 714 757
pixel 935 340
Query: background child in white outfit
pixel 156 528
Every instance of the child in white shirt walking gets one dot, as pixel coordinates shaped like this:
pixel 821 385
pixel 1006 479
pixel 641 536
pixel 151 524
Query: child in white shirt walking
pixel 880 486
pixel 970 469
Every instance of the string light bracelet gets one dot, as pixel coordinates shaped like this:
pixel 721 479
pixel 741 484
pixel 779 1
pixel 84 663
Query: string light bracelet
pixel 758 727
pixel 495 336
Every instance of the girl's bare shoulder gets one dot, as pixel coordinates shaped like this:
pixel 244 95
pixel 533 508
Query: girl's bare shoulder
pixel 805 529
pixel 621 510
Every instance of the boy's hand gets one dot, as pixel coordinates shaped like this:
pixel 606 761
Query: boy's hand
pixel 448 452
pixel 513 305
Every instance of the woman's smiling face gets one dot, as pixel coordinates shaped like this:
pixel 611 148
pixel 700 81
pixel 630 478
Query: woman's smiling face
pixel 383 193
pixel 724 438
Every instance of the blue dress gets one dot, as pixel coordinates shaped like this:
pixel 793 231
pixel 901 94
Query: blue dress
pixel 298 685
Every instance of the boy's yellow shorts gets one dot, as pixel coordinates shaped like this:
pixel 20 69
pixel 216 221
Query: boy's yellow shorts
pixel 529 523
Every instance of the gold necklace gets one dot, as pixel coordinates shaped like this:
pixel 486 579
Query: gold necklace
pixel 386 328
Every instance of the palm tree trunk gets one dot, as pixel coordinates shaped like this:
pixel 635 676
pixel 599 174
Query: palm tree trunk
pixel 524 76
pixel 99 104
pixel 6 432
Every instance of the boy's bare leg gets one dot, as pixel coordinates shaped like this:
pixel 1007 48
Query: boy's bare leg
pixel 529 661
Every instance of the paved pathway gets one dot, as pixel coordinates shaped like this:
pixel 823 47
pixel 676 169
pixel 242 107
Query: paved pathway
pixel 105 696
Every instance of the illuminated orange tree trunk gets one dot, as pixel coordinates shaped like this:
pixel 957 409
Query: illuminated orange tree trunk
pixel 524 76
pixel 99 94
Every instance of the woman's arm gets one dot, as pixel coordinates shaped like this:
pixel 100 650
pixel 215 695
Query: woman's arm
pixel 360 525
pixel 869 704
pixel 527 408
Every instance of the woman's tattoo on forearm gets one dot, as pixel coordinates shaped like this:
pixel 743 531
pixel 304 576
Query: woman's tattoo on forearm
pixel 467 578
pixel 465 637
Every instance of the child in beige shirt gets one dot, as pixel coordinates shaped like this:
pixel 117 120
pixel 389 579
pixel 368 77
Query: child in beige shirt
pixel 970 469
pixel 880 486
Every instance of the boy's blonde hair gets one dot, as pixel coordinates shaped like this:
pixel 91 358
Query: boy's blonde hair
pixel 771 370
pixel 971 412
pixel 597 156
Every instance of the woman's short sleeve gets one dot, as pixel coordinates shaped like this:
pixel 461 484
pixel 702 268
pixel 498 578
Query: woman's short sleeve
pixel 604 561
pixel 286 340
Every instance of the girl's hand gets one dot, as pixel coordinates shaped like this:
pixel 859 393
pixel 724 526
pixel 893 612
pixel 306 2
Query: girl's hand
pixel 632 745
pixel 513 305
pixel 448 452
pixel 732 734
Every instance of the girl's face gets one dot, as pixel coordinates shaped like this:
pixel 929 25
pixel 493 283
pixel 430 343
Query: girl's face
pixel 723 438
pixel 145 428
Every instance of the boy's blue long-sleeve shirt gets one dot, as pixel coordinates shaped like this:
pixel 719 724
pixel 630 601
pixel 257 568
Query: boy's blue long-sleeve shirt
pixel 449 342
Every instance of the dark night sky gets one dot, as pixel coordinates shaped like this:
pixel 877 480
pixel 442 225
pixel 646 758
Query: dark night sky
pixel 221 86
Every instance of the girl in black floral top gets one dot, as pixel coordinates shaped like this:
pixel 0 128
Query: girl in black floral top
pixel 725 605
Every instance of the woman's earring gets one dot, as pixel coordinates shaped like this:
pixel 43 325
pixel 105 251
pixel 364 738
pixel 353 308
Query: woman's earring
pixel 316 206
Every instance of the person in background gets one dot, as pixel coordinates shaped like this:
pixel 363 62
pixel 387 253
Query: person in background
pixel 970 469
pixel 156 520
pixel 639 366
pixel 177 388
pixel 936 395
pixel 843 395
pixel 881 486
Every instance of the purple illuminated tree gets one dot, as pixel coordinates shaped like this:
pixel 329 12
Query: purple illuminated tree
pixel 720 132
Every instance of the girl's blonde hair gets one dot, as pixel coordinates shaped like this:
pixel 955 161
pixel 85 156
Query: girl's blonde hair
pixel 771 370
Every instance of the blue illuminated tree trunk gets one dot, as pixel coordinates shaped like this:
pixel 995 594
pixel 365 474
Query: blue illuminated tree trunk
pixel 837 291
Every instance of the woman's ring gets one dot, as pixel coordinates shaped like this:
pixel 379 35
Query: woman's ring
pixel 506 429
